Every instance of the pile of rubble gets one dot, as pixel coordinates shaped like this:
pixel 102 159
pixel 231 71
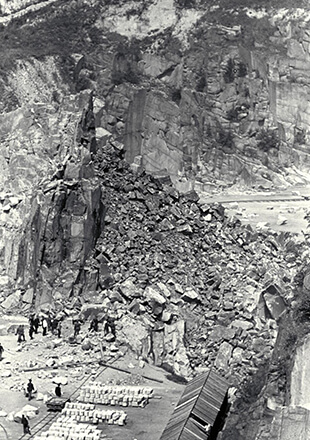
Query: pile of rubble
pixel 189 287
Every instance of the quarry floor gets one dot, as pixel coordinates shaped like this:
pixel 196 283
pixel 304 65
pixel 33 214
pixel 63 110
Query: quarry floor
pixel 281 211
pixel 142 423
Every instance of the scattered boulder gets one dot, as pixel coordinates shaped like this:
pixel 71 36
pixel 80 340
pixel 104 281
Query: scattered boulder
pixel 223 356
pixel 129 290
pixel 190 295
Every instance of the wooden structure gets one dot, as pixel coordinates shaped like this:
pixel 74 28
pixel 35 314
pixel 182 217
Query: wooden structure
pixel 203 403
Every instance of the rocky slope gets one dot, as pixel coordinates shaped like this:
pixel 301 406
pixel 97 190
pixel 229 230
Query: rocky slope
pixel 198 99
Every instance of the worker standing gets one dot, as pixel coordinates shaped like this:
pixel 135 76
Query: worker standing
pixel 59 328
pixel 36 322
pixel 25 423
pixel 77 328
pixel 58 390
pixel 30 389
pixel 94 324
pixel 21 333
pixel 44 326
pixel 31 330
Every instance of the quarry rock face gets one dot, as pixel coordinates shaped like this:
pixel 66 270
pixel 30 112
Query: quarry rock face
pixel 51 203
pixel 291 421
pixel 202 101
pixel 299 389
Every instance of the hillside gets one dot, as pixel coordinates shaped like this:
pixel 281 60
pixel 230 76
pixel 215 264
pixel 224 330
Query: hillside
pixel 115 118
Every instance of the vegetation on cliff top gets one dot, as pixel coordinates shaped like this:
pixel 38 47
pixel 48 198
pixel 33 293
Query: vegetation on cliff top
pixel 54 30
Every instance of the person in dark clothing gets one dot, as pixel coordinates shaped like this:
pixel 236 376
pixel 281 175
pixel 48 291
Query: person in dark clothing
pixel 58 390
pixel 36 322
pixel 49 323
pixel 77 328
pixel 31 331
pixel 44 326
pixel 109 326
pixel 59 327
pixel 94 324
pixel 21 333
pixel 25 423
pixel 1 351
pixel 31 320
pixel 30 389
pixel 54 325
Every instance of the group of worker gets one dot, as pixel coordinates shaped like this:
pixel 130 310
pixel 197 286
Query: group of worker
pixel 55 325
pixel 108 325
pixel 47 323
pixel 30 389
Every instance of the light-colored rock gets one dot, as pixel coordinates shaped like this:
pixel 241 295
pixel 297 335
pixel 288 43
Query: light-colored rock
pixel 60 379
pixel 241 323
pixel 164 289
pixel 129 290
pixel 153 295
pixel 275 305
pixel 223 356
pixel 190 294
pixel 11 301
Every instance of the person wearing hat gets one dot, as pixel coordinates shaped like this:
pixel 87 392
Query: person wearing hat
pixel 30 389
pixel 25 423
pixel 58 390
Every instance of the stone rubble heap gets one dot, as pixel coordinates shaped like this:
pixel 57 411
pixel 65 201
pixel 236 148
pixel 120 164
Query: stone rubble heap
pixel 190 287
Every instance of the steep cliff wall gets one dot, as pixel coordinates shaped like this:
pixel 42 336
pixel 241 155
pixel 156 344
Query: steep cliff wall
pixel 200 93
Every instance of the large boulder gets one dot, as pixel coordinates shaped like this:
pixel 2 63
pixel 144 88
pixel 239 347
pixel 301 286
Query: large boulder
pixel 224 355
pixel 129 290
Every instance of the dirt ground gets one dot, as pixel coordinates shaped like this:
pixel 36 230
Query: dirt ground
pixel 142 423
pixel 281 211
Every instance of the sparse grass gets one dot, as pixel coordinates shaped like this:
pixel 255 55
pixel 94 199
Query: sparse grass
pixel 63 31
pixel 268 139
pixel 125 65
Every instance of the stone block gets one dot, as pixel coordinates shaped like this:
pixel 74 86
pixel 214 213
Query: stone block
pixel 223 356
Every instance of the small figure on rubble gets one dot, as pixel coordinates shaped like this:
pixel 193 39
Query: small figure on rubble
pixel 25 423
pixel 31 320
pixel 30 389
pixel 44 326
pixel 54 325
pixel 59 328
pixel 31 330
pixel 36 322
pixel 58 390
pixel 94 324
pixel 1 351
pixel 109 325
pixel 21 333
pixel 77 327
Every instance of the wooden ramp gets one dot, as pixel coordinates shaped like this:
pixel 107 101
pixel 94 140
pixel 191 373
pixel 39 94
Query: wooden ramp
pixel 199 405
